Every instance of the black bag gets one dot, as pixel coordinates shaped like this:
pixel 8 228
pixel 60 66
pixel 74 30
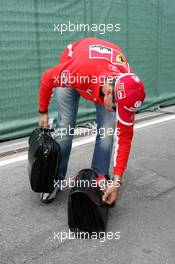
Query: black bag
pixel 43 160
pixel 86 210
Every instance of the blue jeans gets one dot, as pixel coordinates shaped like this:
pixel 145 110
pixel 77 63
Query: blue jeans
pixel 67 104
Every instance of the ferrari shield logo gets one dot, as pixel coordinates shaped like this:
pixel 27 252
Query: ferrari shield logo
pixel 120 59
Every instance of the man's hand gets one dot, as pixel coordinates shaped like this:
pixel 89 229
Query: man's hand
pixel 112 192
pixel 43 120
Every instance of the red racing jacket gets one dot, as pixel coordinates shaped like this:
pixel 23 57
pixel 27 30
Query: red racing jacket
pixel 83 66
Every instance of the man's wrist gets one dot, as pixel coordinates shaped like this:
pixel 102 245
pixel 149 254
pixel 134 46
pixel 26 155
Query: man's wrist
pixel 116 178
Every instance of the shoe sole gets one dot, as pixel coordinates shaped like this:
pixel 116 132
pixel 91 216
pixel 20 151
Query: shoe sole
pixel 49 200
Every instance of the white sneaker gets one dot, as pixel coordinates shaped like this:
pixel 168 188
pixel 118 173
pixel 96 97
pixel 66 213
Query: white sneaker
pixel 49 197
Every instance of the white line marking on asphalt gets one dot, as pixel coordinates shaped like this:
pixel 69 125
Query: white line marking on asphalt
pixel 21 144
pixel 13 160
pixel 83 142
pixel 154 122
pixel 90 139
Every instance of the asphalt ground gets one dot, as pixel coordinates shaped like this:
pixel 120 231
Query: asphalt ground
pixel 144 214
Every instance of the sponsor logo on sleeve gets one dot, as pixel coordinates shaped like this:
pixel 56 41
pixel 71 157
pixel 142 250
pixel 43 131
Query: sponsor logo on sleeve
pixel 121 91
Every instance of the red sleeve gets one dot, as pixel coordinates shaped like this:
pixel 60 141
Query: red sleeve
pixel 49 80
pixel 124 135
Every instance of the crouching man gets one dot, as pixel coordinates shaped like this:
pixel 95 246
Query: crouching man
pixel 98 71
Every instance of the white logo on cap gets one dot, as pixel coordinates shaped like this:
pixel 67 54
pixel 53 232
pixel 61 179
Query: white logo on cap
pixel 135 78
pixel 137 104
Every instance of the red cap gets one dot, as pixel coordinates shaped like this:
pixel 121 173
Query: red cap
pixel 130 94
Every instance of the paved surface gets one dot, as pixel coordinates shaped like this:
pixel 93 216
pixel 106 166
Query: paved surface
pixel 144 214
